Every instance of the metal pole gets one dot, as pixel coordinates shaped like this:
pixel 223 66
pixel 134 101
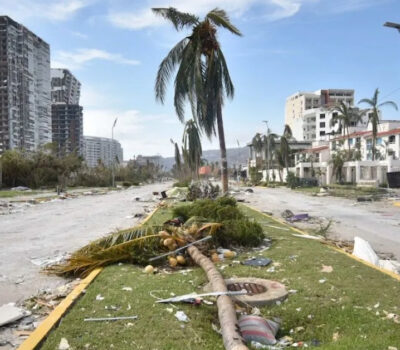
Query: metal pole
pixel 112 155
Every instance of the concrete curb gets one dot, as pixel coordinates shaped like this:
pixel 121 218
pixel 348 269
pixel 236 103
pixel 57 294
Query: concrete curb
pixel 52 319
pixel 386 272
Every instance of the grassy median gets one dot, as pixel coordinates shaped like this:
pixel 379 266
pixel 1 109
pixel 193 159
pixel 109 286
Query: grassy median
pixel 344 309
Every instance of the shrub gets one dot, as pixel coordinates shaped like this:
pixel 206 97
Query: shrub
pixel 292 180
pixel 182 183
pixel 126 184
pixel 236 229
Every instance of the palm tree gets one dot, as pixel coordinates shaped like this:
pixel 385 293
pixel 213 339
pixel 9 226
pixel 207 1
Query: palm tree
pixel 257 144
pixel 269 148
pixel 285 147
pixel 373 117
pixel 202 77
pixel 345 117
pixel 177 156
pixel 192 145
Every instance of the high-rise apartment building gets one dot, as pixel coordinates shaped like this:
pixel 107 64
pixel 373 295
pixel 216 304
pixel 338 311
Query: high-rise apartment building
pixel 102 149
pixel 25 103
pixel 309 114
pixel 66 113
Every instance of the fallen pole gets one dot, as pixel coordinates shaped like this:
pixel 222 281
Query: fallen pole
pixel 194 295
pixel 110 318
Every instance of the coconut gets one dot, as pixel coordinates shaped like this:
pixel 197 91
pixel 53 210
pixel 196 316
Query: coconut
pixel 148 269
pixel 215 257
pixel 172 262
pixel 173 246
pixel 181 260
pixel 164 234
pixel 168 242
pixel 229 254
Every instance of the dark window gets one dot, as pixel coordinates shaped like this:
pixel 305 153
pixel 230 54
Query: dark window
pixel 321 133
pixel 322 116
pixel 392 138
pixel 322 125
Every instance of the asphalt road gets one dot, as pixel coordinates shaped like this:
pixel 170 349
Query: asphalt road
pixel 52 229
pixel 376 222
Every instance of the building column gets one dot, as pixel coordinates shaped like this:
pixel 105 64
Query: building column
pixel 397 143
pixel 358 172
pixel 348 173
pixel 301 170
pixel 379 174
pixel 328 174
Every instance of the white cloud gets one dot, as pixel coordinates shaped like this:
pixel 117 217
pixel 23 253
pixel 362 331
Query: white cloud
pixel 137 132
pixel 55 10
pixel 80 35
pixel 143 18
pixel 78 58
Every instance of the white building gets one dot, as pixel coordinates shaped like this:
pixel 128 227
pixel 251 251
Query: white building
pixel 101 149
pixel 25 116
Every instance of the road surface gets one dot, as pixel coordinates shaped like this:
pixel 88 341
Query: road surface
pixel 51 229
pixel 376 222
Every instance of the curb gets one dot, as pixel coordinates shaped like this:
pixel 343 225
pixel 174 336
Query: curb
pixel 50 321
pixel 366 263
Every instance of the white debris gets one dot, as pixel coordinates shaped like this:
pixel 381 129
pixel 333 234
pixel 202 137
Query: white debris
pixel 181 316
pixel 63 344
pixel 376 305
pixel 128 289
pixel 10 313
pixel 99 297
pixel 318 238
pixel 322 280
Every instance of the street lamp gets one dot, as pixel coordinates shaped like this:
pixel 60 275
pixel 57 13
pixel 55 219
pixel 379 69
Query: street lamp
pixel 392 25
pixel 112 154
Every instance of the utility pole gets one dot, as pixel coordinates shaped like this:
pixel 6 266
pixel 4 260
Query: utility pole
pixel 112 154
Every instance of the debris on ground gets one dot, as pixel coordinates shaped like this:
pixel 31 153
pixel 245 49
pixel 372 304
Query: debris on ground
pixel 99 297
pixel 100 319
pixel 47 261
pixel 298 217
pixel 63 344
pixel 307 236
pixel 249 190
pixel 287 214
pixel 259 330
pixel 181 316
pixel 257 262
pixel 10 313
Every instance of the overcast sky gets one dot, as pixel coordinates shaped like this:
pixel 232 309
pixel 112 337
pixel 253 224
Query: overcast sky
pixel 114 48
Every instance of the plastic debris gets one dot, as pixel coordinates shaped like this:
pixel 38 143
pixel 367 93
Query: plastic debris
pixel 128 289
pixel 91 319
pixel 257 262
pixel 287 214
pixel 99 297
pixel 298 217
pixel 307 236
pixel 335 336
pixel 322 280
pixel 181 316
pixel 63 344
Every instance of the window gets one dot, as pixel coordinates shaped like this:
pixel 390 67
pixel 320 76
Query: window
pixel 351 142
pixel 322 116
pixel 322 133
pixel 369 144
pixel 322 125
pixel 392 139
pixel 334 115
pixel 379 141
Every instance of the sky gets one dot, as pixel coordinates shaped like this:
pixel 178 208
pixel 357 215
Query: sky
pixel 114 48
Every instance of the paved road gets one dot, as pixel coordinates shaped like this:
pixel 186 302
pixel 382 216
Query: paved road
pixel 54 228
pixel 378 222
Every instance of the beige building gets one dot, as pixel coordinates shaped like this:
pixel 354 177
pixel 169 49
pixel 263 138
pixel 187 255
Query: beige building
pixel 303 110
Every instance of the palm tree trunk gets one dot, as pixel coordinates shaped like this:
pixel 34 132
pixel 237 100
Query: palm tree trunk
pixel 221 136
pixel 226 310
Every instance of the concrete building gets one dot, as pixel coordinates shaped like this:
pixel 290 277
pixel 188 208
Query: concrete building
pixel 25 102
pixel 66 113
pixel 101 149
pixel 309 113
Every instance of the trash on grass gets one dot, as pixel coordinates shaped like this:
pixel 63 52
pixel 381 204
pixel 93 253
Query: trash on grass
pixel 91 319
pixel 258 329
pixel 257 262
pixel 127 289
pixel 99 297
pixel 199 296
pixel 327 268
pixel 318 238
pixel 63 344
pixel 181 316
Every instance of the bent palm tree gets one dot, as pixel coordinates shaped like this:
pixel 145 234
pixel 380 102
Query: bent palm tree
pixel 373 117
pixel 346 116
pixel 192 144
pixel 202 76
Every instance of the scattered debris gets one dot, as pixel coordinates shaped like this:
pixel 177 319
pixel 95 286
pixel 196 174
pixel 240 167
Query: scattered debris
pixel 298 217
pixel 257 329
pixel 257 262
pixel 199 296
pixel 127 289
pixel 322 280
pixel 318 238
pixel 327 268
pixel 99 297
pixel 181 316
pixel 249 190
pixel 335 336
pixel 63 344
pixel 110 318
pixel 287 214
pixel 10 313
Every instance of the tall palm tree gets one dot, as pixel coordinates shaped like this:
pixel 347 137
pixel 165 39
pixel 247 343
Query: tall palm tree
pixel 202 76
pixel 177 156
pixel 345 117
pixel 373 117
pixel 192 144
pixel 269 143
pixel 257 143
pixel 285 147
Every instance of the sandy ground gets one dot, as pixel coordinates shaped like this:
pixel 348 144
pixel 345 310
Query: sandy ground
pixel 52 229
pixel 377 222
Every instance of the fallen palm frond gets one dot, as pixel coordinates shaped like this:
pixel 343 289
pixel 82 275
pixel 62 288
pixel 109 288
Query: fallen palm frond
pixel 136 245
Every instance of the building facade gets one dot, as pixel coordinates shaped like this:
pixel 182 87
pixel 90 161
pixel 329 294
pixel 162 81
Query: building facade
pixel 25 101
pixel 102 149
pixel 309 113
pixel 66 113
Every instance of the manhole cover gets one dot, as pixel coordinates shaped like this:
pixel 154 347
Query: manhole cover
pixel 251 288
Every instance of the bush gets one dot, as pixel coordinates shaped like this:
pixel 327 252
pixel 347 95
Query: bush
pixel 292 180
pixel 182 183
pixel 126 184
pixel 236 229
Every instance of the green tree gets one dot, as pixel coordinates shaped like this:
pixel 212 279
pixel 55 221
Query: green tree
pixel 373 117
pixel 192 144
pixel 345 117
pixel 285 147
pixel 202 75
pixel 269 143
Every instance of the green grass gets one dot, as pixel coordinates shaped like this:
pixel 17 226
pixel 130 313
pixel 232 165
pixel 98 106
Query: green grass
pixel 344 304
pixel 11 194
pixel 346 191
